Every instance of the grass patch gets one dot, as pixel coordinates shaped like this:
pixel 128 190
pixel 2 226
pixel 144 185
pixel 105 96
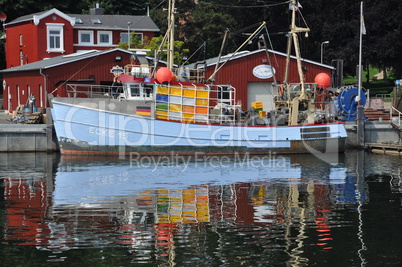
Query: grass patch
pixel 375 86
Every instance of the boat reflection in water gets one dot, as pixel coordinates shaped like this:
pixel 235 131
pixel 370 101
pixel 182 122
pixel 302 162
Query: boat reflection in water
pixel 164 208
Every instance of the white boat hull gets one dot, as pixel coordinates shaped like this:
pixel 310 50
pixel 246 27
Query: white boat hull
pixel 89 129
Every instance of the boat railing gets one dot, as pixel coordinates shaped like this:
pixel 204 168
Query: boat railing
pixel 284 93
pixel 183 74
pixel 212 104
pixel 93 91
pixel 395 117
pixel 142 71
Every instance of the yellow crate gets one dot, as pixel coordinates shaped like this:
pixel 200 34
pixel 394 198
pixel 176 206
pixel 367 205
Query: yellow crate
pixel 263 114
pixel 189 93
pixel 202 94
pixel 161 112
pixel 202 102
pixel 175 107
pixel 188 116
pixel 162 117
pixel 162 90
pixel 188 119
pixel 256 105
pixel 175 91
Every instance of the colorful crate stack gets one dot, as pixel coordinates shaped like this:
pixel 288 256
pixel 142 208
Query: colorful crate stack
pixel 182 104
pixel 259 108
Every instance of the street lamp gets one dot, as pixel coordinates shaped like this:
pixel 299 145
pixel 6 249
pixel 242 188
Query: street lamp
pixel 322 48
pixel 128 34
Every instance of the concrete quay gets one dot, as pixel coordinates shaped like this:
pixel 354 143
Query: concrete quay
pixel 20 137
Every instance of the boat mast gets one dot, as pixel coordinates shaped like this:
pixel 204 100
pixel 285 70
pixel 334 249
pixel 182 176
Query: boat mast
pixel 170 57
pixel 293 31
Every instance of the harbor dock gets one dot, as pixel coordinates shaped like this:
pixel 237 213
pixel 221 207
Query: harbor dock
pixel 21 137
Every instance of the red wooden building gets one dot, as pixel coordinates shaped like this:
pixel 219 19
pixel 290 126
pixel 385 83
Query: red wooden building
pixel 243 71
pixel 52 75
pixel 53 33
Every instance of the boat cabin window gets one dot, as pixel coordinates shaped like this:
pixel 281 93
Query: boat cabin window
pixel 225 94
pixel 135 90
pixel 148 90
pixel 139 91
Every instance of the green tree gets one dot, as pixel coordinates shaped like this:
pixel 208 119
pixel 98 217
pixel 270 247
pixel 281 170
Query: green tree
pixel 135 42
pixel 179 50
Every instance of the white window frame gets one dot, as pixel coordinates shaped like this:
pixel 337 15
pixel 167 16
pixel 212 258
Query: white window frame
pixel 123 34
pixel 21 58
pixel 91 38
pixel 134 33
pixel 142 36
pixel 55 27
pixel 109 33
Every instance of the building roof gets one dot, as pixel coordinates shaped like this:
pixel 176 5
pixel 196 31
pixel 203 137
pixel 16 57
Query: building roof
pixel 213 61
pixel 96 21
pixel 61 60
pixel 115 22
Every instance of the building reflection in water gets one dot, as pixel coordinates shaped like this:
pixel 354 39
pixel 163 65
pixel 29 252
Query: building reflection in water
pixel 106 202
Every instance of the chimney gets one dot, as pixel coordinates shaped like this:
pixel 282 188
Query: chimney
pixel 96 11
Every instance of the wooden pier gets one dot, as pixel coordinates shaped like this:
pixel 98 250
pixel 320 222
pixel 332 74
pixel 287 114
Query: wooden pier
pixel 385 148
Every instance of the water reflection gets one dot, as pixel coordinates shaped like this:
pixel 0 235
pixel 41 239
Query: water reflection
pixel 223 211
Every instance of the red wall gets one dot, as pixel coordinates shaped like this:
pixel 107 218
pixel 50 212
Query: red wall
pixel 35 40
pixel 34 43
pixel 28 47
pixel 98 67
pixel 42 37
pixel 239 72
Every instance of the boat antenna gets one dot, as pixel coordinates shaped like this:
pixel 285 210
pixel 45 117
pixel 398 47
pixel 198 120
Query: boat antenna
pixel 262 37
pixel 171 12
pixel 240 47
pixel 294 30
pixel 159 51
pixel 169 36
pixel 212 78
pixel 196 51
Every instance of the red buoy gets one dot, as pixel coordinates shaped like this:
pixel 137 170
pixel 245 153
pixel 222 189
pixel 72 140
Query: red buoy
pixel 323 80
pixel 164 75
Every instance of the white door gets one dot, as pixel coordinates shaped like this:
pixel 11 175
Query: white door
pixel 260 92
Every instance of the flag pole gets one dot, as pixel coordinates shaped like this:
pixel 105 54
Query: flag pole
pixel 360 109
pixel 360 53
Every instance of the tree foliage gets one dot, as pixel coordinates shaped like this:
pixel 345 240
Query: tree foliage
pixel 179 50
pixel 204 22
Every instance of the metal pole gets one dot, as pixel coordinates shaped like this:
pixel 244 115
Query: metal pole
pixel 128 34
pixel 360 109
pixel 322 49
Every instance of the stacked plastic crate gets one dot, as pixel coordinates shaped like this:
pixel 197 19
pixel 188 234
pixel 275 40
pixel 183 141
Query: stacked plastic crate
pixel 182 104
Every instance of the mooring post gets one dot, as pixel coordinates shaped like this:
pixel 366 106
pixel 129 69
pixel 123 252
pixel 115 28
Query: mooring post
pixel 360 126
pixel 49 130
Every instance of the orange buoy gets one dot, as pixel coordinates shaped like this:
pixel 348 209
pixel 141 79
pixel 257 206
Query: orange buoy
pixel 323 80
pixel 164 75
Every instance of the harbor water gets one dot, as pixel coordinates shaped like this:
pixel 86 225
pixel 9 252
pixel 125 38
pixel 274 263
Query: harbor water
pixel 201 210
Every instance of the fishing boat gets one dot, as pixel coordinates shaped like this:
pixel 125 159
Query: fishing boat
pixel 160 110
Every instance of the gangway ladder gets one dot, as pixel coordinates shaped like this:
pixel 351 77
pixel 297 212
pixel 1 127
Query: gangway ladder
pixel 395 118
